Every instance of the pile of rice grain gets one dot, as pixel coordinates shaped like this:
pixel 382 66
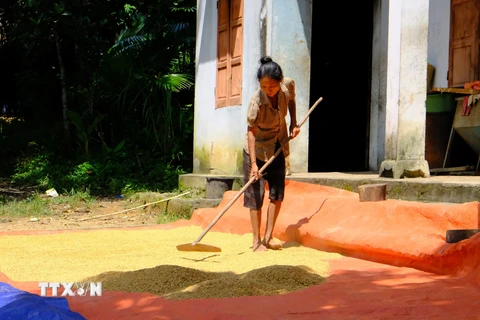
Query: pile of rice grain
pixel 148 261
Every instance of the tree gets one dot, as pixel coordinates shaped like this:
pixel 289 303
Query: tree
pixel 122 63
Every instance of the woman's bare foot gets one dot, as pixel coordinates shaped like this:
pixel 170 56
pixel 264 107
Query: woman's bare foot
pixel 258 246
pixel 272 244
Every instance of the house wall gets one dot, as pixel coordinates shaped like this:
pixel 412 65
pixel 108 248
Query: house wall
pixel 438 45
pixel 406 90
pixel 220 133
pixel 412 73
pixel 438 40
pixel 397 105
pixel 282 29
pixel 379 83
pixel 288 43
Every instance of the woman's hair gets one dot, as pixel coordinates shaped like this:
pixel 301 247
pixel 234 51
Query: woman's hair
pixel 269 68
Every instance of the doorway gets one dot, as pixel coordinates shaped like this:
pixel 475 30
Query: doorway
pixel 341 74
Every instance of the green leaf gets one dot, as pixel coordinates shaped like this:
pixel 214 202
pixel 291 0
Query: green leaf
pixel 175 82
pixel 96 120
pixel 59 8
pixel 119 146
pixel 76 120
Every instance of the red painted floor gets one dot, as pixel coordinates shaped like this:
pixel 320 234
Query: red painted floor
pixel 397 264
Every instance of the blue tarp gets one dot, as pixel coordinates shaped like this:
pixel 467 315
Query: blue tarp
pixel 16 304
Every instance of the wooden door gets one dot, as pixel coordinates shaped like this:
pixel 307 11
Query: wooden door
pixel 229 53
pixel 464 42
pixel 236 51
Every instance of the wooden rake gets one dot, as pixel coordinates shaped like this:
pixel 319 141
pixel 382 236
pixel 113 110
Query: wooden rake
pixel 195 245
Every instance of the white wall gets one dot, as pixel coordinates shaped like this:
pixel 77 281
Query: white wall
pixel 280 28
pixel 219 133
pixel 438 43
pixel 438 40
pixel 379 81
pixel 288 43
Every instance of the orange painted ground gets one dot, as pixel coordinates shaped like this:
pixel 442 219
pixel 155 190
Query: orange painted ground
pixel 396 266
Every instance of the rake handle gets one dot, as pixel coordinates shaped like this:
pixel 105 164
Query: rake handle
pixel 252 179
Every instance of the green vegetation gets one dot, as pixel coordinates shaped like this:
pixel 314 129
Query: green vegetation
pixel 99 176
pixel 39 205
pixel 36 205
pixel 100 95
pixel 32 206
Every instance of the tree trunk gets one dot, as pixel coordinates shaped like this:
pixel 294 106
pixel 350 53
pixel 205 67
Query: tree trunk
pixel 66 123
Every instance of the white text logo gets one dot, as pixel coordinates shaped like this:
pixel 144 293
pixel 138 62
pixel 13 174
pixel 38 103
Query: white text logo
pixel 70 289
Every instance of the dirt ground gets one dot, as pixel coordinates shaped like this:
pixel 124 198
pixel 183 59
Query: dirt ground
pixel 66 217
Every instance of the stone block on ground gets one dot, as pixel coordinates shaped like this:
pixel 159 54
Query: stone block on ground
pixel 372 192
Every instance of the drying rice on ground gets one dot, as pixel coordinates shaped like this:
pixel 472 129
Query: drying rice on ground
pixel 148 261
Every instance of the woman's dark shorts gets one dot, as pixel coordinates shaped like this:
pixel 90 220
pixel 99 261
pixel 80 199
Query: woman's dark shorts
pixel 274 174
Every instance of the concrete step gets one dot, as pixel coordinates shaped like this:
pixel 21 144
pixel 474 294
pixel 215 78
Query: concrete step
pixel 452 189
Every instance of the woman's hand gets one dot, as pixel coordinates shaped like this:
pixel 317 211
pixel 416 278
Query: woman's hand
pixel 294 131
pixel 254 171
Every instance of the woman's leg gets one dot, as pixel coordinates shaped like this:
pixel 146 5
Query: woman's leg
pixel 276 182
pixel 256 220
pixel 253 199
pixel 272 215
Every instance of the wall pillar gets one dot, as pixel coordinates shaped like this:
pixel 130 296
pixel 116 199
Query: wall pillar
pixel 288 43
pixel 406 90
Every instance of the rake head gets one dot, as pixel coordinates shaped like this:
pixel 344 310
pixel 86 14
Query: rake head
pixel 198 247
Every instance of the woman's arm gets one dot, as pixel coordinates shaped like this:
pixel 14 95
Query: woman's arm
pixel 292 110
pixel 252 131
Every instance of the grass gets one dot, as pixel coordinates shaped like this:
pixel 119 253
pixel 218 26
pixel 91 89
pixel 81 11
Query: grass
pixel 169 211
pixel 32 206
pixel 83 184
pixel 75 198
pixel 41 205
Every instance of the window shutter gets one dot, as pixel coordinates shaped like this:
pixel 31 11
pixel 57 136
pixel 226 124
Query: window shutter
pixel 236 50
pixel 221 90
pixel 464 42
pixel 229 53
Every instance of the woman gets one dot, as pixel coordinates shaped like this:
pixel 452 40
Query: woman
pixel 266 132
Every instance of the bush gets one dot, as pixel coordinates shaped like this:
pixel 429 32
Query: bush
pixel 103 175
